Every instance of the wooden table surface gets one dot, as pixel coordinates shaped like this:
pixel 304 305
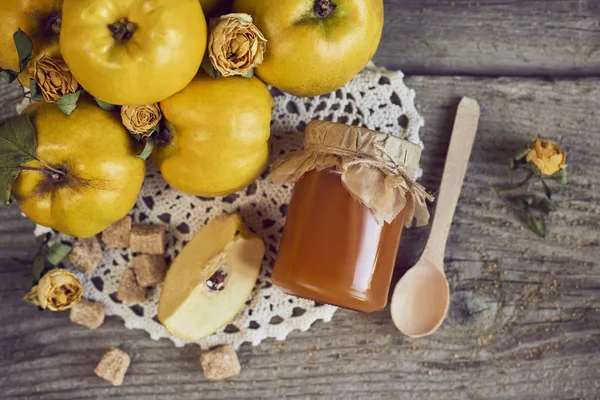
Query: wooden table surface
pixel 525 316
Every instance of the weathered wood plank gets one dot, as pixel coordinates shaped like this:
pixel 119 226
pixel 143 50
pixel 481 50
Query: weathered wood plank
pixel 525 317
pixel 490 37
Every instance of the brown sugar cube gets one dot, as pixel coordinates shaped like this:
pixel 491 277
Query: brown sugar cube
pixel 149 269
pixel 86 255
pixel 87 314
pixel 148 239
pixel 220 363
pixel 117 235
pixel 129 289
pixel 113 366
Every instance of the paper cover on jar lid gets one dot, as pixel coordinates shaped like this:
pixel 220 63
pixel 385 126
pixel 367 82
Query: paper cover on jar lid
pixel 376 167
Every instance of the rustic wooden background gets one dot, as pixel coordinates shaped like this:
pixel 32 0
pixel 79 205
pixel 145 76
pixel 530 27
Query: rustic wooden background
pixel 525 316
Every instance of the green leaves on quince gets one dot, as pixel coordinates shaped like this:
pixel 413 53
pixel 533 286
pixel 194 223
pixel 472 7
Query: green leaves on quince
pixel 105 106
pixel 35 91
pixel 24 47
pixel 53 254
pixel 6 180
pixel 209 69
pixel 57 252
pixel 18 145
pixel 68 103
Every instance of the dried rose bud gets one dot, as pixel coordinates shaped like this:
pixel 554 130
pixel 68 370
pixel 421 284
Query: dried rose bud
pixel 236 45
pixel 53 78
pixel 58 290
pixel 141 120
pixel 547 156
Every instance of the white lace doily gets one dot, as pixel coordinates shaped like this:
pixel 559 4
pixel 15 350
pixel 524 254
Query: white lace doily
pixel 376 99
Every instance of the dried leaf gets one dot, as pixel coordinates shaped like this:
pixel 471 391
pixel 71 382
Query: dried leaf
pixel 24 47
pixel 57 252
pixel 68 103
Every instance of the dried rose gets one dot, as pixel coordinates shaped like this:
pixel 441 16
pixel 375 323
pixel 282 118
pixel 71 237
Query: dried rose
pixel 547 156
pixel 141 120
pixel 53 78
pixel 58 290
pixel 236 45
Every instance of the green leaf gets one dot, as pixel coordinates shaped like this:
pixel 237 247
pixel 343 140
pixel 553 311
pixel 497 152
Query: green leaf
pixel 38 267
pixel 41 239
pixel 519 155
pixel 250 74
pixel 209 68
pixel 561 176
pixel 105 106
pixel 547 190
pixel 24 47
pixel 36 93
pixel 18 144
pixel 148 147
pixel 536 224
pixel 8 75
pixel 68 103
pixel 57 253
pixel 6 180
pixel 546 206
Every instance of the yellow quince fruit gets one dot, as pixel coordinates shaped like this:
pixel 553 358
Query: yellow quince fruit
pixel 315 46
pixel 87 176
pixel 130 52
pixel 40 20
pixel 219 135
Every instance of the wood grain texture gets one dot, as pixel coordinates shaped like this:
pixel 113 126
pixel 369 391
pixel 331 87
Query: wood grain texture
pixel 525 314
pixel 491 37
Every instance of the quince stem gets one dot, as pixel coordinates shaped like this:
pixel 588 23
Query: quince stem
pixel 518 185
pixel 54 24
pixel 55 174
pixel 122 30
pixel 323 8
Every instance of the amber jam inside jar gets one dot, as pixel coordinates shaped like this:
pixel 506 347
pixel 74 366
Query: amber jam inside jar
pixel 333 250
pixel 354 193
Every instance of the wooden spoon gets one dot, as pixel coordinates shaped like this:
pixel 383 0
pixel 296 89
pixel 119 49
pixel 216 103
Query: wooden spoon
pixel 422 297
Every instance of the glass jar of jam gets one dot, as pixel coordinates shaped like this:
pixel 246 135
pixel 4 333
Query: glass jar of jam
pixel 353 196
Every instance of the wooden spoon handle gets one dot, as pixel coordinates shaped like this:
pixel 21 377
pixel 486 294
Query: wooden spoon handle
pixel 459 152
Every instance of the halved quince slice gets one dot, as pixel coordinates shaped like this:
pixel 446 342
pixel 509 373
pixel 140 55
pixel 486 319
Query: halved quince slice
pixel 211 279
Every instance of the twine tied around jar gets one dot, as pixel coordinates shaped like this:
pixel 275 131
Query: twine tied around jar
pixel 376 168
